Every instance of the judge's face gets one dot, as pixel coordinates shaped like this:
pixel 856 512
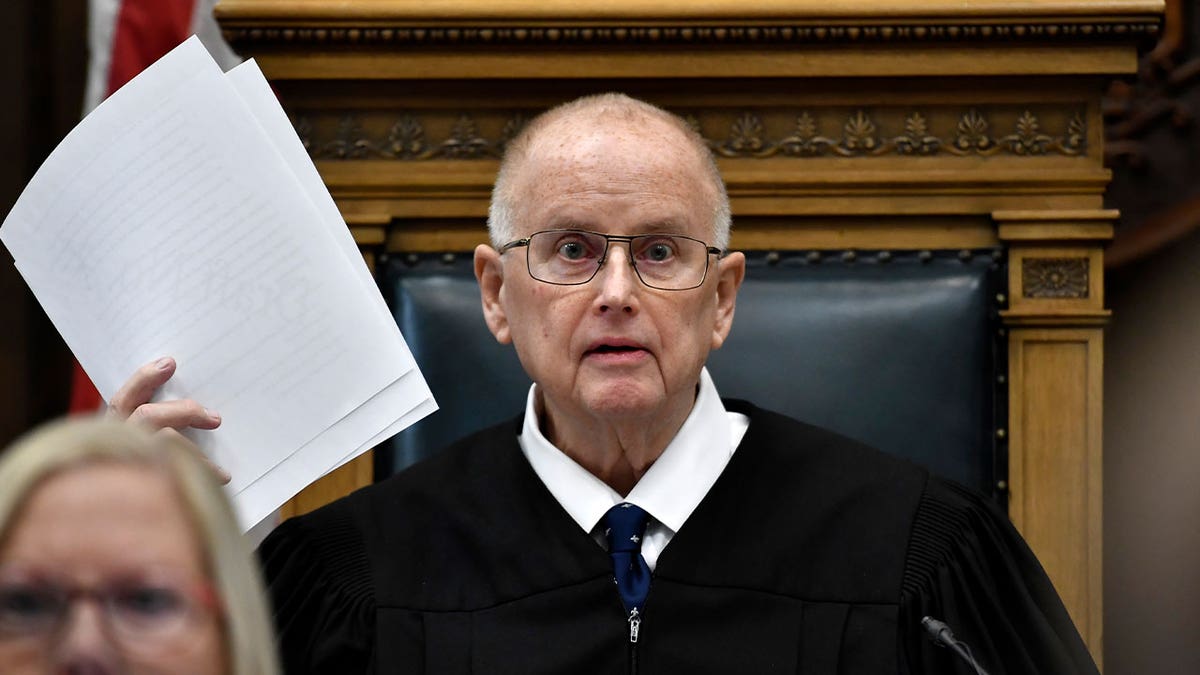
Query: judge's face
pixel 102 572
pixel 611 348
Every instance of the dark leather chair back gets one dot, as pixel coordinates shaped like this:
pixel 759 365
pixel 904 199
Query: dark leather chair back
pixel 897 350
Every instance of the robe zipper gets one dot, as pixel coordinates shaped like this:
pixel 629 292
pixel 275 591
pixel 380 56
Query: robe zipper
pixel 635 625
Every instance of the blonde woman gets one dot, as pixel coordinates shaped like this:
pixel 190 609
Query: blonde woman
pixel 120 553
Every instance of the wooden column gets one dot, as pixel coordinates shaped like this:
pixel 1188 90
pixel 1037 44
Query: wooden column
pixel 1055 343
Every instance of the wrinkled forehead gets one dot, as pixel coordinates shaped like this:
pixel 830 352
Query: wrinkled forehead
pixel 596 155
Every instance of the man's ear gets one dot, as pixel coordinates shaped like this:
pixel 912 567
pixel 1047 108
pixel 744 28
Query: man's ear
pixel 730 271
pixel 489 272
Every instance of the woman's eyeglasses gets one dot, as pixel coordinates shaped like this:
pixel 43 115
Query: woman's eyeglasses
pixel 142 611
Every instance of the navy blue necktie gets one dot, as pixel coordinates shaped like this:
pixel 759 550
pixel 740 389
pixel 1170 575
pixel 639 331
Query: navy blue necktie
pixel 624 526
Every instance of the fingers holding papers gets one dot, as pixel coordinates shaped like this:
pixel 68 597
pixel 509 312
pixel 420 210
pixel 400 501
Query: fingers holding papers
pixel 132 403
pixel 138 389
pixel 176 414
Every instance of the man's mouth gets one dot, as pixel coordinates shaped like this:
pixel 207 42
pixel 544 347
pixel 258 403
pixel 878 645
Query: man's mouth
pixel 616 351
pixel 613 349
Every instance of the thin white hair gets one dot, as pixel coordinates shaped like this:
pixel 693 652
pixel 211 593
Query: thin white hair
pixel 606 107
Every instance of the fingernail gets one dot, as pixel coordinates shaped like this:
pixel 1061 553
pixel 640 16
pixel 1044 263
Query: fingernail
pixel 163 363
pixel 212 415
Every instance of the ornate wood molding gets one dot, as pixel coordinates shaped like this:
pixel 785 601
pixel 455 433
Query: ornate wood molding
pixel 459 23
pixel 666 34
pixel 860 137
pixel 1055 277
pixel 857 134
pixel 406 140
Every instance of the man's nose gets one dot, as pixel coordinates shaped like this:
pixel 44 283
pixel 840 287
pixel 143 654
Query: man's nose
pixel 85 644
pixel 618 281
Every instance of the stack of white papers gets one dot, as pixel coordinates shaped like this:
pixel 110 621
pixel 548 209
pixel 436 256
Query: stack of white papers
pixel 184 218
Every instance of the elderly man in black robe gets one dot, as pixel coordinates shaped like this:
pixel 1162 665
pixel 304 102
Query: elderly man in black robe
pixel 631 520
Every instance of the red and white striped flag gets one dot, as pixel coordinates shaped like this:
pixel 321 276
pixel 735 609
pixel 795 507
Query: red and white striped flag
pixel 126 36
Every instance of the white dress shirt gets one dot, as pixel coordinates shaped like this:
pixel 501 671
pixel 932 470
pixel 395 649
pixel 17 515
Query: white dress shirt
pixel 669 490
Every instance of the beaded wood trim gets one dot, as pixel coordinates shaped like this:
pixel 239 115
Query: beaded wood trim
pixel 691 35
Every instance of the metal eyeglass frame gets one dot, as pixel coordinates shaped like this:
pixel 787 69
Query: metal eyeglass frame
pixel 608 239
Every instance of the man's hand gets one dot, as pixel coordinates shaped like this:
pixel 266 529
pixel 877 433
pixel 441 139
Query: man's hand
pixel 132 403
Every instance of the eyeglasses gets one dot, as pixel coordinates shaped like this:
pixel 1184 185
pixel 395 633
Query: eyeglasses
pixel 150 609
pixel 669 262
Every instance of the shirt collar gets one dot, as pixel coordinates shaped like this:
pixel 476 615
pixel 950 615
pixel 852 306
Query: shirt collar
pixel 669 490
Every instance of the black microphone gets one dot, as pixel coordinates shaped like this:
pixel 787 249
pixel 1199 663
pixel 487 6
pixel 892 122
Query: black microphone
pixel 941 635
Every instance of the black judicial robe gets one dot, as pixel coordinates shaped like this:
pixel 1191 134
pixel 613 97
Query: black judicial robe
pixel 811 554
